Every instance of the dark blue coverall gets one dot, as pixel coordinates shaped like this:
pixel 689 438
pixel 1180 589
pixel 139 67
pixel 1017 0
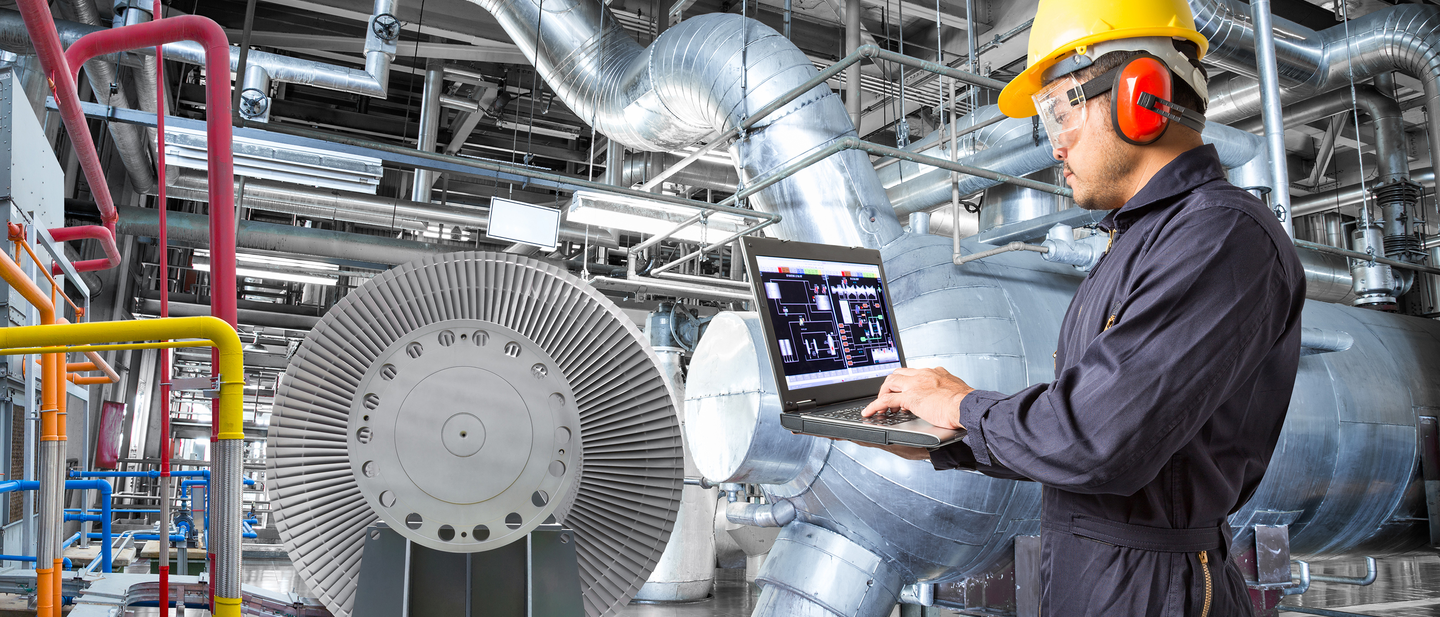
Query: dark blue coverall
pixel 1173 374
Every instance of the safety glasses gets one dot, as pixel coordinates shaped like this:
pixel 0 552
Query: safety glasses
pixel 1061 105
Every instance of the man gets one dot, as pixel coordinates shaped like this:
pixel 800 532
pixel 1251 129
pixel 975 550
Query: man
pixel 1177 356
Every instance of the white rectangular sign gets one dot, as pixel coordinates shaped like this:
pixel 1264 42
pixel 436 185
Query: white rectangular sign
pixel 525 223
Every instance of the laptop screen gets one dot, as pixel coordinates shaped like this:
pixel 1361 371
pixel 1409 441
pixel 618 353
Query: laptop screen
pixel 831 320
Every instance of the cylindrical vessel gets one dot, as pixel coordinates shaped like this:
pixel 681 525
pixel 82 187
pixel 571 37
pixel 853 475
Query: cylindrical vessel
pixel 1007 203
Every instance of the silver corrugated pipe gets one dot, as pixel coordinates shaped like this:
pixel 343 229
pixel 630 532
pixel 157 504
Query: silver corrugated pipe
pixel 1385 115
pixel 689 85
pixel 51 510
pixel 225 486
pixel 1402 38
pixel 357 207
pixel 147 74
pixel 129 138
pixel 373 81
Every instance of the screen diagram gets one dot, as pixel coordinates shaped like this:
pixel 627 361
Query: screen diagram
pixel 830 320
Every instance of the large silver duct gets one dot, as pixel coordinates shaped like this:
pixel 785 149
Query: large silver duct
pixel 699 79
pixel 1342 476
pixel 1391 163
pixel 129 139
pixel 1401 38
pixel 358 207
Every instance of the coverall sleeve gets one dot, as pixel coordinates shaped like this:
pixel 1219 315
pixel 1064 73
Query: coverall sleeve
pixel 1206 306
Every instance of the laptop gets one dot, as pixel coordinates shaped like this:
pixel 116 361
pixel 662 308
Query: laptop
pixel 831 337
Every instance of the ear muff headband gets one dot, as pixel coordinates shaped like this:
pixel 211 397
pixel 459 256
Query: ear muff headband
pixel 1140 109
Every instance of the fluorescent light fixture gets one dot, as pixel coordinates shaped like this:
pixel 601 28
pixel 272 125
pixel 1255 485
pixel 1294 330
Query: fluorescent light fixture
pixel 294 277
pixel 279 262
pixel 515 221
pixel 257 158
pixel 649 216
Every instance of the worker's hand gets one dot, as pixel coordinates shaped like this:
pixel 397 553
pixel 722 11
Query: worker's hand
pixel 933 394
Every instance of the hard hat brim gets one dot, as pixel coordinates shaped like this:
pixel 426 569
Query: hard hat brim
pixel 1015 101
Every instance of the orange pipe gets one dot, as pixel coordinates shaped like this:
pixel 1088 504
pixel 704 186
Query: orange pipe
pixel 17 235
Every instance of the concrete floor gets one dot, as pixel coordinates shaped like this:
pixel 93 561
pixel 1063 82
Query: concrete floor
pixel 1407 586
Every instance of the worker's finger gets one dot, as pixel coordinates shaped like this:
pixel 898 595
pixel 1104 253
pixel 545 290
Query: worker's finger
pixel 886 400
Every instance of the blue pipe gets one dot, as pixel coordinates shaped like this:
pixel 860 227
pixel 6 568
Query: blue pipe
pixel 29 559
pixel 105 515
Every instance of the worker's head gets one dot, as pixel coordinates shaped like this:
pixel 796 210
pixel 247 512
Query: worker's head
pixel 1109 80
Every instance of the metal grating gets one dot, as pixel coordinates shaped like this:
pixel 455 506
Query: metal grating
pixel 624 505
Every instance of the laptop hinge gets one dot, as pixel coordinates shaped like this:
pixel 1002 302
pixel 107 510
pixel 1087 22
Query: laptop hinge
pixel 806 405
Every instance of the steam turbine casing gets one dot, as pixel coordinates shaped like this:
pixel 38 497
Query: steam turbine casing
pixel 1344 474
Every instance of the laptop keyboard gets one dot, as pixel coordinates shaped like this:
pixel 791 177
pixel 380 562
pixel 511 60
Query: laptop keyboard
pixel 887 417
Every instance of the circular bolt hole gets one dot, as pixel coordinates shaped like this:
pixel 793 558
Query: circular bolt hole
pixel 446 533
pixel 365 418
pixel 462 337
pixel 462 534
pixel 539 371
pixel 372 401
pixel 447 338
pixel 369 469
pixel 557 468
pixel 387 498
pixel 414 521
pixel 415 350
pixel 514 521
pixel 512 349
pixel 463 434
pixel 363 435
pixel 539 498
pixel 481 533
pixel 389 372
pixel 480 338
pixel 562 435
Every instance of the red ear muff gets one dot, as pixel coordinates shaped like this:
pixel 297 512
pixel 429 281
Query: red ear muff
pixel 1133 122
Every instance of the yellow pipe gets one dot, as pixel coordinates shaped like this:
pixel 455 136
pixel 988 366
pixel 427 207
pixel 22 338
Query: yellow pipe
pixel 79 348
pixel 90 336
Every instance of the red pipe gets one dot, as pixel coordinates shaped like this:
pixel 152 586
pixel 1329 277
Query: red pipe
pixel 92 232
pixel 217 122
pixel 160 103
pixel 40 24
pixel 219 151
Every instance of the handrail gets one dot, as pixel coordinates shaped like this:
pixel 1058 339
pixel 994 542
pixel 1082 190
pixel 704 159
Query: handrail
pixel 40 24
pixel 228 419
pixel 17 235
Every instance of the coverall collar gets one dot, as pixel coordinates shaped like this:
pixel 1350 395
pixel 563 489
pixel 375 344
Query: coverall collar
pixel 1189 170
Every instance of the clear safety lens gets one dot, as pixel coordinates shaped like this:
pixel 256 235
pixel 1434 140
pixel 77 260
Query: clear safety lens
pixel 1062 109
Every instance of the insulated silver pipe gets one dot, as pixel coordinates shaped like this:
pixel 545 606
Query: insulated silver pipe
pixel 373 81
pixel 129 139
pixel 1351 196
pixel 852 74
pixel 1401 38
pixel 429 126
pixel 359 208
pixel 1274 121
pixel 1391 163
pixel 147 74
pixel 686 87
pixel 702 174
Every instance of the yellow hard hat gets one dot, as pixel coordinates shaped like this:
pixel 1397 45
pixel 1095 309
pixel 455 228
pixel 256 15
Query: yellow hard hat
pixel 1065 26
